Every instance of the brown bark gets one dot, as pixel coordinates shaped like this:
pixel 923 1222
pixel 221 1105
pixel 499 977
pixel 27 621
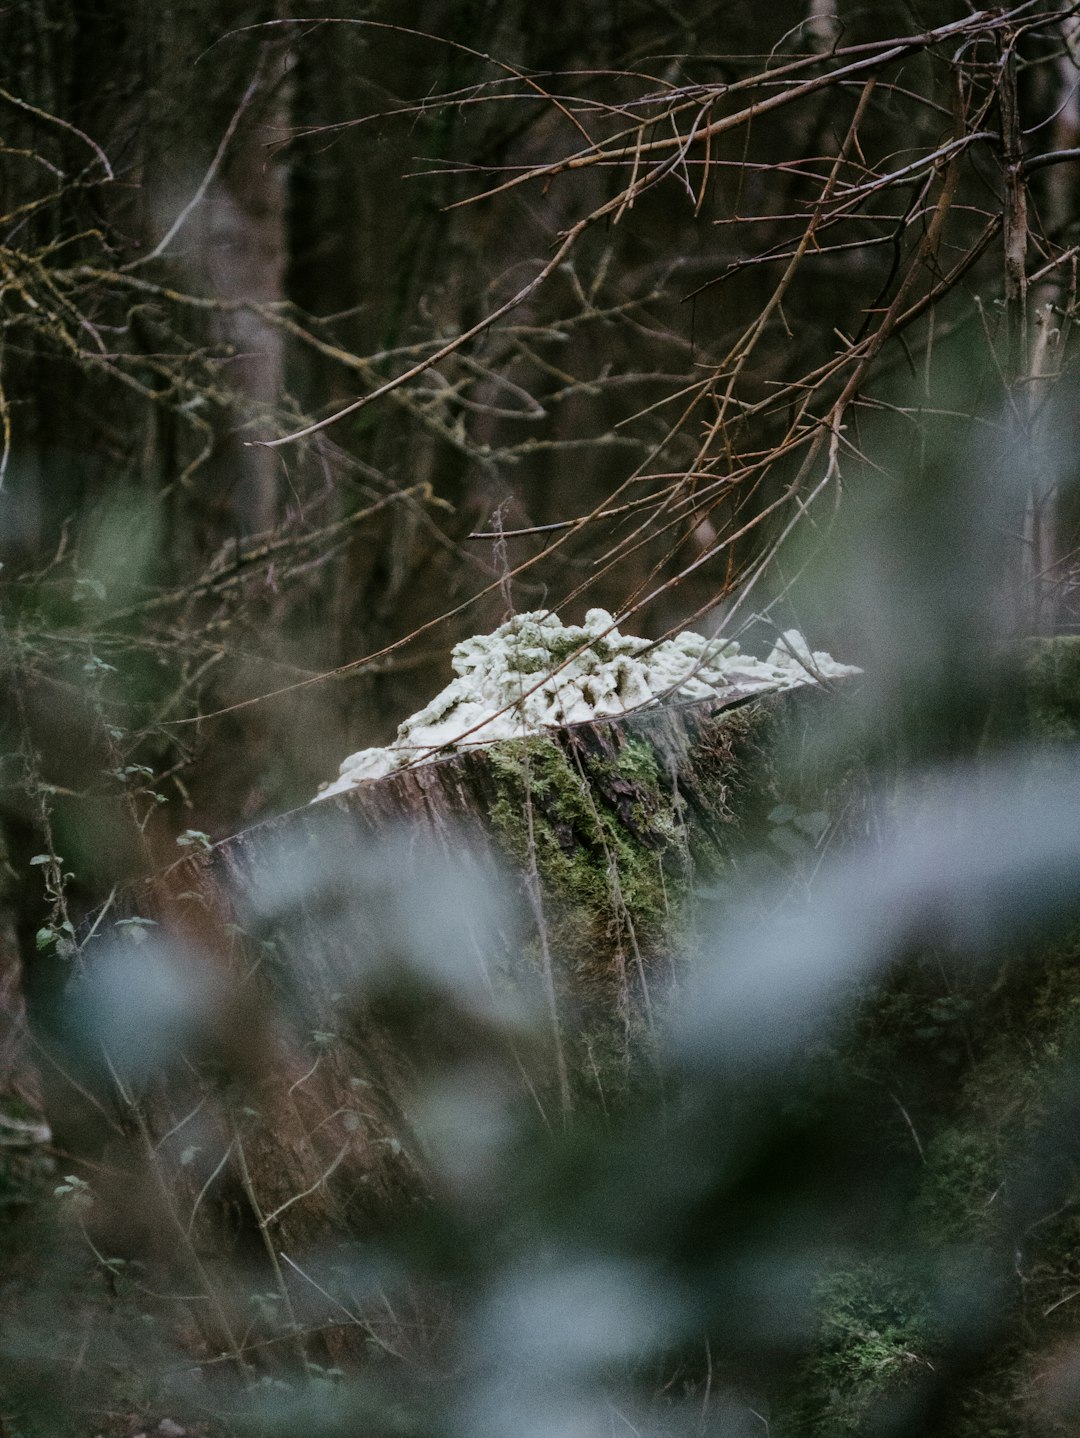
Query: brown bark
pixel 299 1104
pixel 21 1123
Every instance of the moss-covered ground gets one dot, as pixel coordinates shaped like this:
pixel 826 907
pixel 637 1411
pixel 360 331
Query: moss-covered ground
pixel 980 1070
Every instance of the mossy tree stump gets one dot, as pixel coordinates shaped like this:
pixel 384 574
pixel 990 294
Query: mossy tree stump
pixel 289 1107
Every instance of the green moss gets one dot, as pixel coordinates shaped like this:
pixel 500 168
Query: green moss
pixel 26 1176
pixel 955 1202
pixel 874 1331
pixel 1052 688
pixel 621 845
pixel 602 829
pixel 562 646
pixel 982 1070
pixel 604 836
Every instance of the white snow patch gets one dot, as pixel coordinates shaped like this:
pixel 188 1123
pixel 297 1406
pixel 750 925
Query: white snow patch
pixel 505 687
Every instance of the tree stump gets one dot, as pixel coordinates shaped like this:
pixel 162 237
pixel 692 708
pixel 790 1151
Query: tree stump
pixel 280 1014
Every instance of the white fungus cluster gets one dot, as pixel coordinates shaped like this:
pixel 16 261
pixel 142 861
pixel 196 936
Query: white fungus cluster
pixel 529 675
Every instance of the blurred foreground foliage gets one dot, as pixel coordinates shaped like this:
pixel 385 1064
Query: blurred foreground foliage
pixel 839 1196
pixel 778 1137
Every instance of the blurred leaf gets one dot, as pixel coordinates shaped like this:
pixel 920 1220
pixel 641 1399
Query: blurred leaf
pixel 814 824
pixel 782 814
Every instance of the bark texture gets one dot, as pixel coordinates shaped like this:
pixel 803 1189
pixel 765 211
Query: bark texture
pixel 520 906
pixel 20 1089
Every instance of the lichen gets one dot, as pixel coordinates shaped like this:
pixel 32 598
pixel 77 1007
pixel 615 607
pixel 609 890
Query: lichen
pixel 534 673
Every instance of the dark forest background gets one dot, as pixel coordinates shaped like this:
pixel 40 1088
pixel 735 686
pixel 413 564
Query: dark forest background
pixel 220 228
pixel 329 340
